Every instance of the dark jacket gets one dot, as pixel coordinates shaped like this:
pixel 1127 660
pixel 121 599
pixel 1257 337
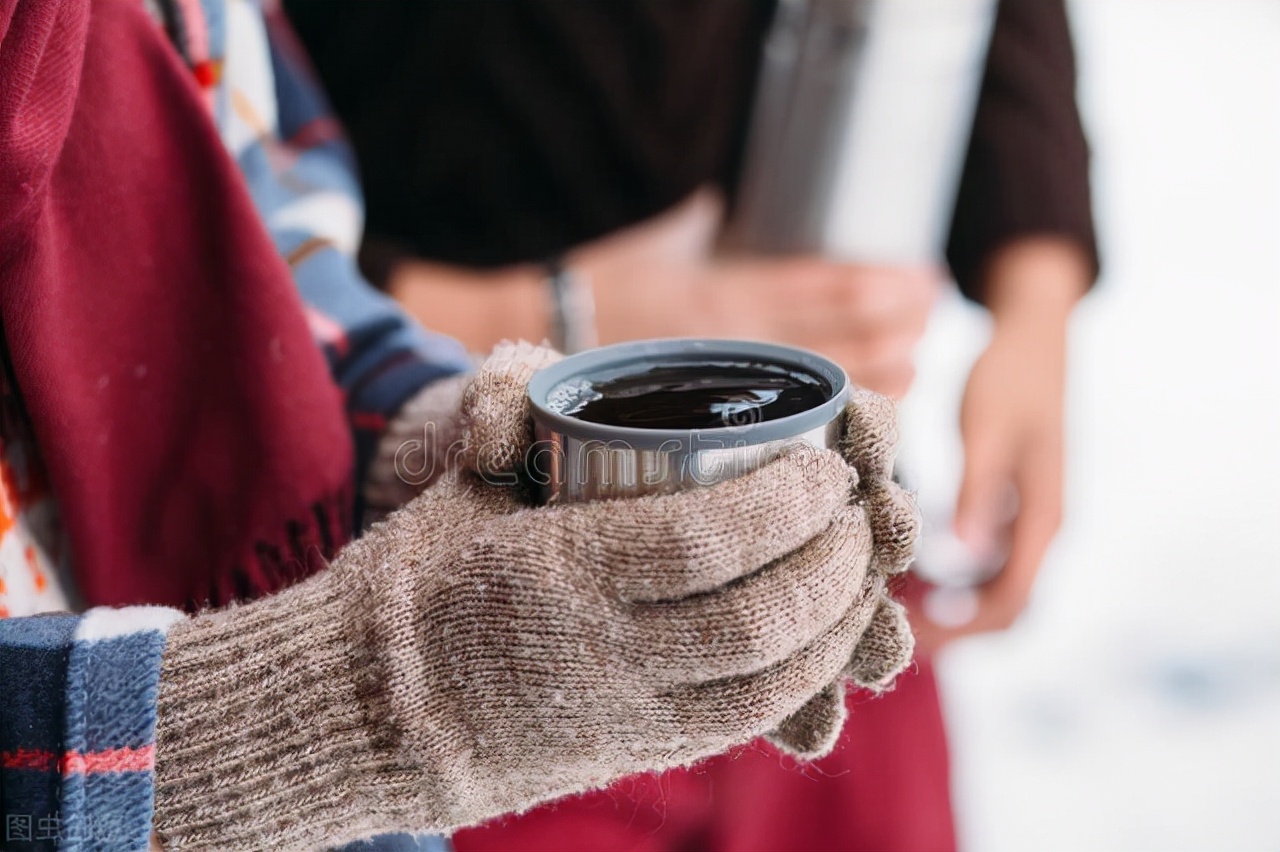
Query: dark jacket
pixel 501 132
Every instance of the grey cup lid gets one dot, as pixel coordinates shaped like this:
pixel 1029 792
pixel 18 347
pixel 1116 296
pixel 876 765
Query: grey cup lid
pixel 608 362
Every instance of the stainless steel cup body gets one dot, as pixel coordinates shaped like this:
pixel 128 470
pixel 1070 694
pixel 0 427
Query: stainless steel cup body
pixel 574 460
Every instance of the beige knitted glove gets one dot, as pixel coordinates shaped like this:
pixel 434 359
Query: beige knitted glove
pixel 414 451
pixel 473 656
pixel 869 443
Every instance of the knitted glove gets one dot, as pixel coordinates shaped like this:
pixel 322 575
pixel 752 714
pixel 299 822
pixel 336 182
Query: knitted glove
pixel 472 656
pixel 414 450
pixel 869 443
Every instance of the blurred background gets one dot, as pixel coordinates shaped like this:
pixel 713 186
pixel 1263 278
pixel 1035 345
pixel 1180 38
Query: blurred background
pixel 1136 705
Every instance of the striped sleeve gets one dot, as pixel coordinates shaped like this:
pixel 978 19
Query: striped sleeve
pixel 77 728
pixel 302 175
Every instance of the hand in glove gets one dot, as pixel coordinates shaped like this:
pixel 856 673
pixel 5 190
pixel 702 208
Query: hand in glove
pixel 472 656
pixel 417 447
pixel 869 443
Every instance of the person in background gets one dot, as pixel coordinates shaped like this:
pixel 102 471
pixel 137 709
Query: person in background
pixel 197 384
pixel 606 138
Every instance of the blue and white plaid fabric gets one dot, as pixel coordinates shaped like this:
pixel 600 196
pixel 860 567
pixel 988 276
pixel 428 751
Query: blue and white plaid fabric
pixel 77 729
pixel 276 124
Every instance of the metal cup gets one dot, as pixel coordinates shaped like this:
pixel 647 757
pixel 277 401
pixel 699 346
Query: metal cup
pixel 575 460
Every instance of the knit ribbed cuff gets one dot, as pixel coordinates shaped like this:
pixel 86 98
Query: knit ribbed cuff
pixel 262 740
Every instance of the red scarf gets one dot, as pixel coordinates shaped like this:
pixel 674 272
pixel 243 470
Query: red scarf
pixel 187 422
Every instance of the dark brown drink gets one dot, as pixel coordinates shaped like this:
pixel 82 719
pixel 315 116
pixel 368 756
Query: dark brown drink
pixel 700 396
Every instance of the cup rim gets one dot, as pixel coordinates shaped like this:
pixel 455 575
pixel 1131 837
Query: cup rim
pixel 675 348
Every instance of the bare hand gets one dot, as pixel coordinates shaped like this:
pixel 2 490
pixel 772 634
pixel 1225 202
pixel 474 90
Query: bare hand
pixel 661 278
pixel 869 319
pixel 1011 422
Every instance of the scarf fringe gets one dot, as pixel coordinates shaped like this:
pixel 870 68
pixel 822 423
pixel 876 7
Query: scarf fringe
pixel 303 548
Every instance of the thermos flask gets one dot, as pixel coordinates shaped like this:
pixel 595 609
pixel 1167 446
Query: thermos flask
pixel 576 459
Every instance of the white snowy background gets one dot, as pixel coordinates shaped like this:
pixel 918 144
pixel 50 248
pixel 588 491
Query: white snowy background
pixel 1136 706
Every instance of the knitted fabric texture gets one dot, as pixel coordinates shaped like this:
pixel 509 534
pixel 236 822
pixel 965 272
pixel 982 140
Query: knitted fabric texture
pixel 418 445
pixel 472 656
pixel 869 443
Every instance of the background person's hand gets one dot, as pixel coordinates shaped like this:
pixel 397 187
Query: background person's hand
pixel 662 278
pixel 1011 492
pixel 1011 422
pixel 869 319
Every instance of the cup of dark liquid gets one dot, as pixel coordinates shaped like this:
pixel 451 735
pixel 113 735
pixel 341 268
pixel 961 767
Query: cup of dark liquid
pixel 657 416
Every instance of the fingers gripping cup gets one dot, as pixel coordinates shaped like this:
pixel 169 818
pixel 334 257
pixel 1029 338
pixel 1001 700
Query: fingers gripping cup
pixel 658 416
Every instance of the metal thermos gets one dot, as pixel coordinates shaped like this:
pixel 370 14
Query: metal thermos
pixel 861 117
pixel 575 460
